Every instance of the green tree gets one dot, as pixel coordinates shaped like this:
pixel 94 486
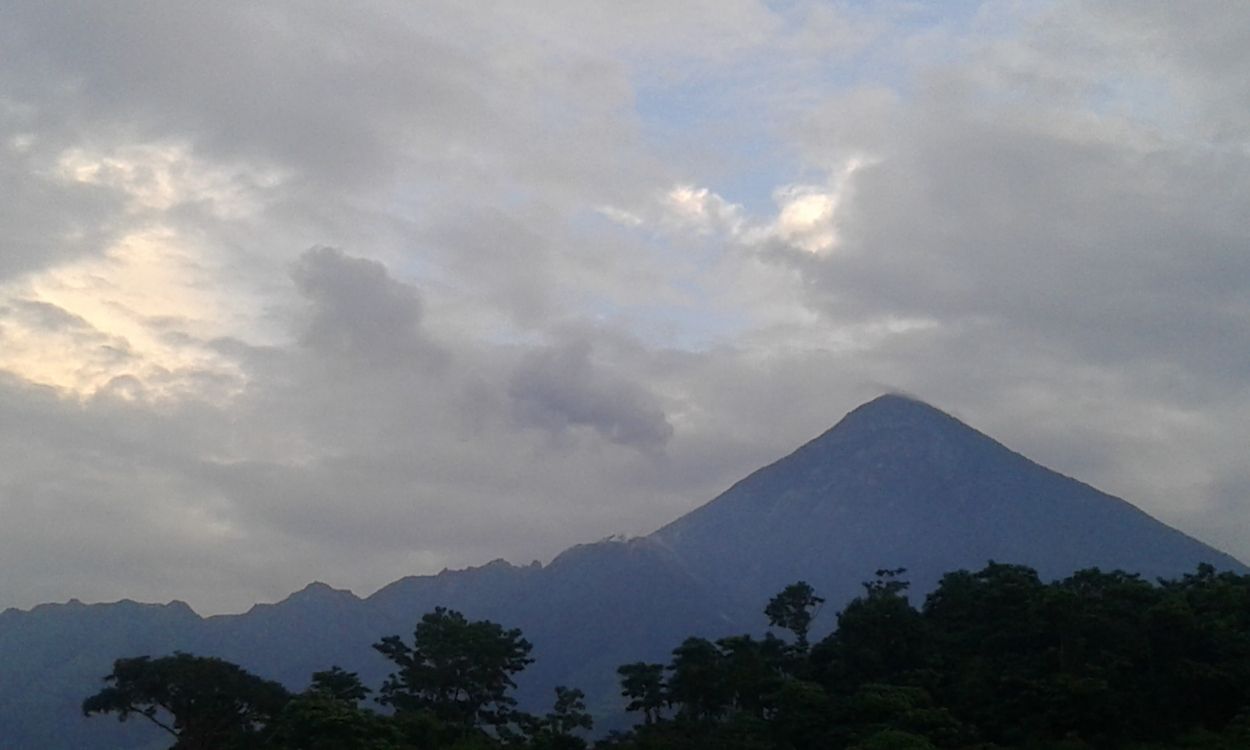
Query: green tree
pixel 803 715
pixel 880 637
pixel 204 702
pixel 893 739
pixel 339 684
pixel 752 672
pixel 643 684
pixel 993 648
pixel 697 684
pixel 328 716
pixel 318 721
pixel 458 671
pixel 793 610
pixel 557 730
pixel 1201 628
pixel 877 711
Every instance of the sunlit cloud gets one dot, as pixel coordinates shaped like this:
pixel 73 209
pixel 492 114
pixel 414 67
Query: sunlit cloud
pixel 702 211
pixel 139 316
pixel 807 215
pixel 161 176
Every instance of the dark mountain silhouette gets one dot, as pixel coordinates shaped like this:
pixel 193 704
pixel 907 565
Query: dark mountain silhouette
pixel 896 483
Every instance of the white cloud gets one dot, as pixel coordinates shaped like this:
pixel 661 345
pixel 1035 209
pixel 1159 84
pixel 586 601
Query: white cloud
pixel 700 210
pixel 161 177
pixel 807 216
pixel 142 313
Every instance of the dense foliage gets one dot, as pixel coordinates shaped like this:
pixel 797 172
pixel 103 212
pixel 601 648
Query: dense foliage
pixel 994 659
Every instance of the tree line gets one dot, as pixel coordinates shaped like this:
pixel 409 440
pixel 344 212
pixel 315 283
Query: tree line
pixel 995 659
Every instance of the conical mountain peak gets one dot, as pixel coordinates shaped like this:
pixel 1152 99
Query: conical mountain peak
pixel 896 483
pixel 894 402
pixel 899 483
pixel 898 417
pixel 895 408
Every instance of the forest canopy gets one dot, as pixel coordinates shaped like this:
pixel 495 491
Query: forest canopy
pixel 992 659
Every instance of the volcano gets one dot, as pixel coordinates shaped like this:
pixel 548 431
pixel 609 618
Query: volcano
pixel 895 484
pixel 898 483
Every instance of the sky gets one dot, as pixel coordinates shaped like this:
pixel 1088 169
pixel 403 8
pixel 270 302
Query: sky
pixel 303 291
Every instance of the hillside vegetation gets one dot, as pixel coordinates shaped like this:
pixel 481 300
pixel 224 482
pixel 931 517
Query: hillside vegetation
pixel 993 659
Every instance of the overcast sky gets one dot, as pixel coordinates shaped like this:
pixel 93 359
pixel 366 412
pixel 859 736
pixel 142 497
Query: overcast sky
pixel 296 291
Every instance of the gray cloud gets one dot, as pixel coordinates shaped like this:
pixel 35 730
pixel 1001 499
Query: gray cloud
pixel 47 317
pixel 341 100
pixel 357 311
pixel 1082 269
pixel 518 351
pixel 46 220
pixel 559 388
pixel 1123 255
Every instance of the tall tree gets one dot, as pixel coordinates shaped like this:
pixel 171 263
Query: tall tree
pixel 643 684
pixel 880 637
pixel 205 703
pixel 328 716
pixel 339 684
pixel 793 610
pixel 458 671
pixel 697 685
pixel 318 721
pixel 557 730
pixel 752 672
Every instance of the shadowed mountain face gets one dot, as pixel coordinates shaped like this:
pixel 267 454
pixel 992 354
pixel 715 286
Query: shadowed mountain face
pixel 896 483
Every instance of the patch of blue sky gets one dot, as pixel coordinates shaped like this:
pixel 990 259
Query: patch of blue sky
pixel 920 14
pixel 714 134
pixel 683 251
pixel 726 128
pixel 685 314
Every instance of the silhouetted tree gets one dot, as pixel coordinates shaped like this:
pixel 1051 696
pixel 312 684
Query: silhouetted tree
pixel 317 721
pixel 793 610
pixel 339 684
pixel 206 703
pixel 327 716
pixel 557 730
pixel 879 637
pixel 996 659
pixel 752 672
pixel 458 671
pixel 643 684
pixel 697 684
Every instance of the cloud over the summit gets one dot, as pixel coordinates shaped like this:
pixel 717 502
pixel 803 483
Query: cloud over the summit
pixel 512 332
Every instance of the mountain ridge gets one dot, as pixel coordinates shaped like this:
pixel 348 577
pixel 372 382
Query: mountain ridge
pixel 895 483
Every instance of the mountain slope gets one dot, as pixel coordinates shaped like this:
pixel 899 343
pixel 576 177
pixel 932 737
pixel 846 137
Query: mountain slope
pixel 896 483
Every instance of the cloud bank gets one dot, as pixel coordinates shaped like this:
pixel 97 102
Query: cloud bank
pixel 291 293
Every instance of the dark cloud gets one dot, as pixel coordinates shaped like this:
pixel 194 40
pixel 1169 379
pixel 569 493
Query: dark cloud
pixel 562 388
pixel 46 220
pixel 345 101
pixel 357 311
pixel 48 317
pixel 1122 256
